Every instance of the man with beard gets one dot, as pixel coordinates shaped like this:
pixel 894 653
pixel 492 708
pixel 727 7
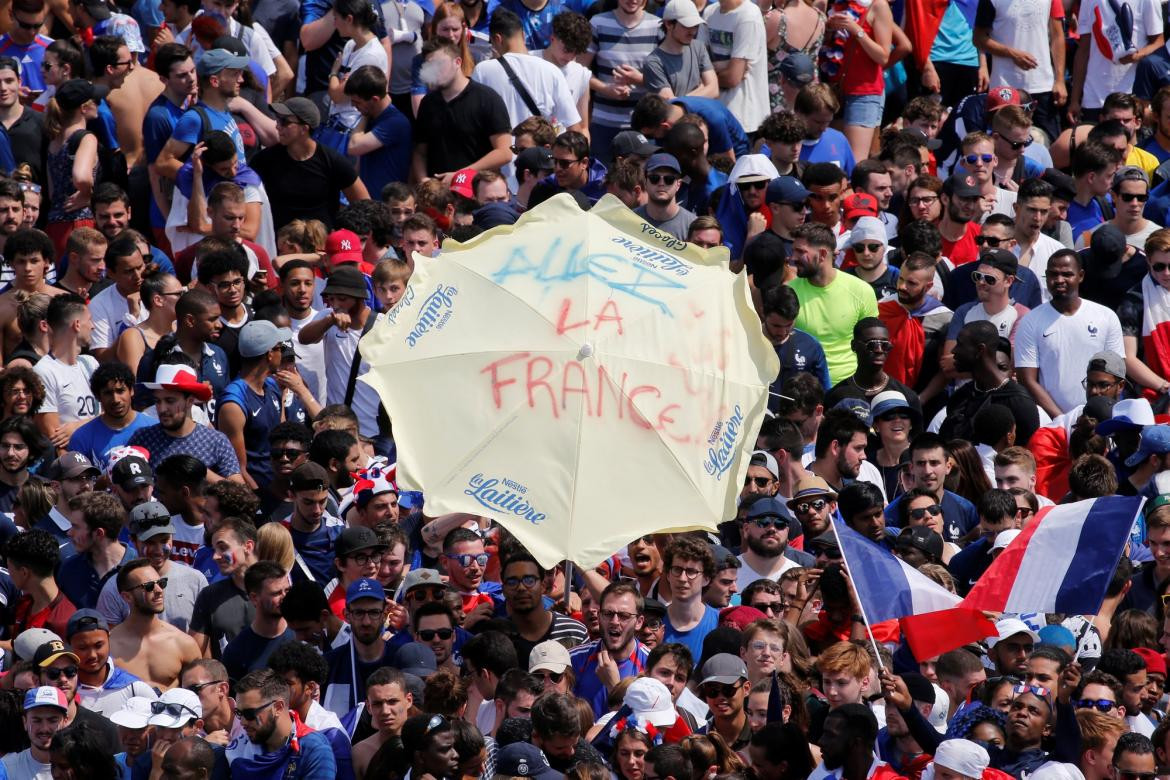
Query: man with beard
pixel 297 288
pixel 278 743
pixel 868 241
pixel 1055 340
pixel 871 344
pixel 388 702
pixel 724 686
pixel 11 208
pixel 917 323
pixel 266 584
pixel 523 589
pixel 813 504
pixel 20 445
pixel 352 663
pixel 766 255
pixel 993 280
pixel 831 302
pixel 119 306
pixel 840 448
pixel 65 371
pixel 152 533
pixel 847 742
pixel 197 331
pixel 601 664
pixel 663 178
pixel 30 255
pixel 765 532
pixel 113 386
pixel 132 481
pixel 962 201
pixel 454 100
pixel 690 566
pixel 70 475
pixel 103 687
pixel 96 520
pixel 975 355
pixel 176 389
pixel 147 646
pixel 434 626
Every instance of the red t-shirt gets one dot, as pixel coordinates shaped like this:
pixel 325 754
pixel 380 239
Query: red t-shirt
pixel 185 260
pixel 54 617
pixel 964 250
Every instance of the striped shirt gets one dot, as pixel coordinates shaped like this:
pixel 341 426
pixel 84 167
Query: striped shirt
pixel 614 44
pixel 589 687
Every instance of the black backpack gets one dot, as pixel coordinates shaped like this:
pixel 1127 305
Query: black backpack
pixel 111 162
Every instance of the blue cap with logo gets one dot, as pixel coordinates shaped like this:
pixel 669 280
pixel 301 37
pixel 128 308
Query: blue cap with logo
pixel 786 189
pixel 365 588
pixel 521 759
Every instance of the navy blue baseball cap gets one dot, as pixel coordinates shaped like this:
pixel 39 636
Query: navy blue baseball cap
pixel 663 160
pixel 786 189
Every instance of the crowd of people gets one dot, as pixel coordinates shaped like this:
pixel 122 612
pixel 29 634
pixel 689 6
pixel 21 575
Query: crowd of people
pixel 953 219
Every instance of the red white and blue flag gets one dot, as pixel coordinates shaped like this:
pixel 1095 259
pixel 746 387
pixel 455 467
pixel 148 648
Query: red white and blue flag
pixel 932 619
pixel 1062 562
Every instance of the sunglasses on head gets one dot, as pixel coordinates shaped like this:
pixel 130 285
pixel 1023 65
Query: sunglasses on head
pixel 1035 690
pixel 173 709
pixel 934 510
pixel 661 178
pixel 714 690
pixel 429 634
pixel 874 247
pixel 55 674
pixel 986 159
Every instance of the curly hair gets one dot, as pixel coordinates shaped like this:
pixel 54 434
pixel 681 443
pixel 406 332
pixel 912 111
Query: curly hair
pixel 970 716
pixel 32 382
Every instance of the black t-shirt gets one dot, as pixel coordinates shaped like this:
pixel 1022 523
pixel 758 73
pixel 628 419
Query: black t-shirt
pixel 304 189
pixel 966 403
pixel 221 612
pixel 25 137
pixel 765 257
pixel 102 726
pixel 847 388
pixel 458 132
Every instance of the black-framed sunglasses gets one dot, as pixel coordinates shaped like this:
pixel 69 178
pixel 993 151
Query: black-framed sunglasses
pixel 564 164
pixel 436 722
pixel 753 185
pixel 197 687
pixel 252 713
pixel 714 690
pixel 765 523
pixel 1130 197
pixel 149 585
pixel 292 453
pixel 528 581
pixel 934 510
pixel 874 247
pixel 429 634
pixel 175 710
pixel 555 677
pixel 991 241
pixel 760 482
pixel 1017 146
pixel 54 674
pixel 661 178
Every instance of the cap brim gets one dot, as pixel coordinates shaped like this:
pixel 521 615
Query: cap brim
pixel 352 292
pixel 55 656
pixel 663 717
pixel 550 666
pixel 166 721
pixel 150 533
pixel 1110 427
pixel 129 720
pixel 418 671
pixel 725 679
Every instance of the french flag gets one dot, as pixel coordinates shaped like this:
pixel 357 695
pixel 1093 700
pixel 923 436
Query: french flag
pixel 1062 561
pixel 932 619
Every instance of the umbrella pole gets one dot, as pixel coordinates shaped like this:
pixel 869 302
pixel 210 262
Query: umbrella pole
pixel 568 586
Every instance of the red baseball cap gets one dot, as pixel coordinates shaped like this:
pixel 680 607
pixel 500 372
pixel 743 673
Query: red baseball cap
pixel 1003 96
pixel 461 182
pixel 860 204
pixel 343 246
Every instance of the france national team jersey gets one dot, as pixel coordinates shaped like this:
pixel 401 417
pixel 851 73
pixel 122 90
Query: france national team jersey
pixel 261 415
pixel 30 58
pixel 314 549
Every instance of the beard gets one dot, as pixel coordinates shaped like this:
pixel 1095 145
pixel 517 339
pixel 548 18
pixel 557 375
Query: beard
pixel 757 546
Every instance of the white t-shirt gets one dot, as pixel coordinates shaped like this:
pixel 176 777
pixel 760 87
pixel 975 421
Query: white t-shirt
pixel 739 34
pixel 24 766
pixel 111 315
pixel 340 348
pixel 1060 346
pixel 67 388
pixel 747 575
pixel 1096 24
pixel 352 58
pixel 186 541
pixel 543 80
pixel 1022 24
pixel 310 357
pixel 1045 247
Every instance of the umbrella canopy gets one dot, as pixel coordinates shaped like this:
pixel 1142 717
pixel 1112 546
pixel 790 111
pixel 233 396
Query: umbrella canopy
pixel 580 377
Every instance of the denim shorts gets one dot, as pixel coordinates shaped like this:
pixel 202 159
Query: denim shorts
pixel 864 110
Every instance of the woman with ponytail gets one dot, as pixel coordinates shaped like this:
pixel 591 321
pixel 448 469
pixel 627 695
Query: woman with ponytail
pixel 354 20
pixel 72 161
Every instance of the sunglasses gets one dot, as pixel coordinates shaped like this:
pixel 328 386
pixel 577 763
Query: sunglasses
pixel 287 121
pixel 879 345
pixel 148 587
pixel 436 722
pixel 867 247
pixel 1035 690
pixel 816 505
pixel 717 690
pixel 986 159
pixel 987 279
pixel 661 178
pixel 1123 774
pixel 32 25
pixel 429 634
pixel 934 510
pixel 528 581
pixel 753 185
pixel 55 674
pixel 770 522
pixel 1130 197
pixel 247 713
pixel 1100 705
pixel 1023 511
pixel 769 607
pixel 760 482
pixel 990 241
pixel 292 453
pixel 466 559
pixel 1017 145
pixel 1160 268
pixel 175 710
pixel 195 689
pixel 555 677
pixel 433 593
pixel 564 164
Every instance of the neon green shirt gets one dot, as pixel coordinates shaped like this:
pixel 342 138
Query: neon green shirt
pixel 829 313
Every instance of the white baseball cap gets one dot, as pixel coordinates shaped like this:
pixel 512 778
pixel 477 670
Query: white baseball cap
pixel 135 713
pixel 684 12
pixel 1004 538
pixel 650 700
pixel 175 709
pixel 550 656
pixel 1008 627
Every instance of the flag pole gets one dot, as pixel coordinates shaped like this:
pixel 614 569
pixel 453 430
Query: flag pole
pixel 860 606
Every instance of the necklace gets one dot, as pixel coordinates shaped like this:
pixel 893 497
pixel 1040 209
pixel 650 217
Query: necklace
pixel 990 389
pixel 870 390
